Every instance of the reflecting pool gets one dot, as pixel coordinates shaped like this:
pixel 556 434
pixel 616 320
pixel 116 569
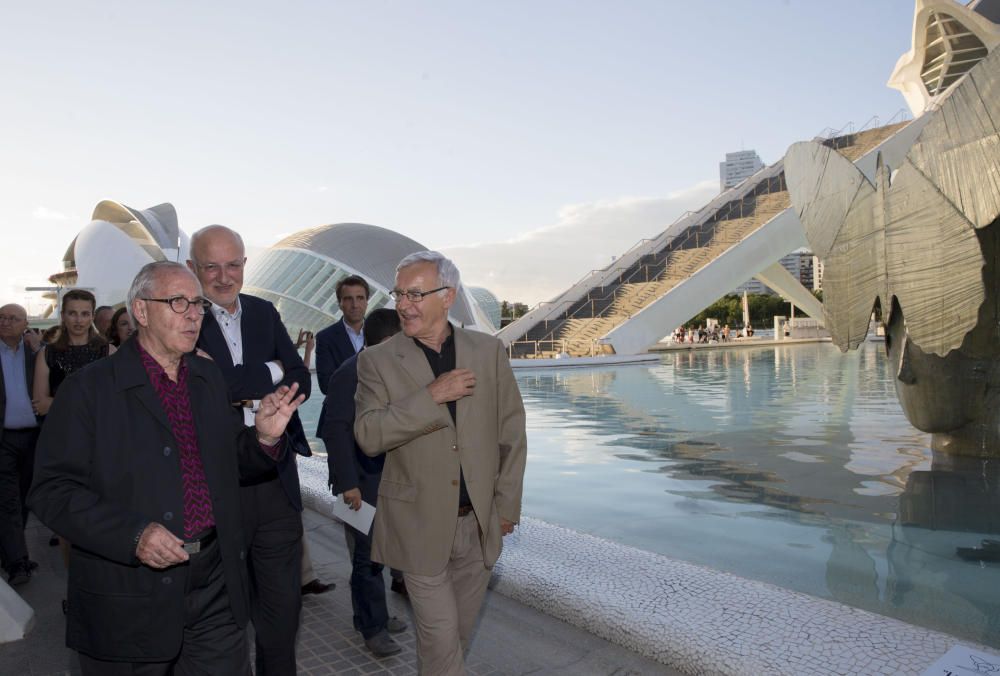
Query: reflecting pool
pixel 791 465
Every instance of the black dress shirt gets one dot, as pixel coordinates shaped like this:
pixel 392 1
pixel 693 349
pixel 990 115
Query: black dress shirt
pixel 440 363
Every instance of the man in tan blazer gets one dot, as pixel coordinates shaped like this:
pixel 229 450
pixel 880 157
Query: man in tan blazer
pixel 442 403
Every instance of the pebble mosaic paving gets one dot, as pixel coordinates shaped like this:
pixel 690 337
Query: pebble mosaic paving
pixel 692 618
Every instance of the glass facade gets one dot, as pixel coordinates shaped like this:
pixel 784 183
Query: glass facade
pixel 302 285
pixel 488 303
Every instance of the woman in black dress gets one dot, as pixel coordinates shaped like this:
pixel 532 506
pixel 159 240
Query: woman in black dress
pixel 78 344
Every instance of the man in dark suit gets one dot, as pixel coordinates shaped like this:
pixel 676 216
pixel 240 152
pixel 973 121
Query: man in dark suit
pixel 355 477
pixel 17 441
pixel 139 467
pixel 339 342
pixel 344 338
pixel 245 337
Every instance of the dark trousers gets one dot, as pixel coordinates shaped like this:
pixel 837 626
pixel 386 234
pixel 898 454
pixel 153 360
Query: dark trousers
pixel 274 542
pixel 367 585
pixel 212 642
pixel 17 460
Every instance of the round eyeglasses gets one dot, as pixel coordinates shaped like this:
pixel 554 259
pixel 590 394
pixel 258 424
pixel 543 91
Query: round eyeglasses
pixel 180 304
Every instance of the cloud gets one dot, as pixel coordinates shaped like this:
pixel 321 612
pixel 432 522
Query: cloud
pixel 46 214
pixel 542 263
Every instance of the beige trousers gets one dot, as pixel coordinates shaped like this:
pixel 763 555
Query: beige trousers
pixel 447 605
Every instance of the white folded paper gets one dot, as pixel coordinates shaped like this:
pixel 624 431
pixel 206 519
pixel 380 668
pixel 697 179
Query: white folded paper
pixel 360 520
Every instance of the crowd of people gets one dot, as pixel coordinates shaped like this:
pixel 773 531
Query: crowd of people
pixel 158 440
pixel 709 334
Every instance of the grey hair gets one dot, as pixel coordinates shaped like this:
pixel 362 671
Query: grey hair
pixel 448 274
pixel 143 283
pixel 207 230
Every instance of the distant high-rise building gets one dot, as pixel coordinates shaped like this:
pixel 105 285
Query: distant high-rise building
pixel 800 265
pixel 738 166
pixel 753 286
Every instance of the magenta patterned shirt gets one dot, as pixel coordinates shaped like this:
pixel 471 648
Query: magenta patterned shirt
pixel 176 402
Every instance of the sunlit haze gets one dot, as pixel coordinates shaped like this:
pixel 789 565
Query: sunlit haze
pixel 532 141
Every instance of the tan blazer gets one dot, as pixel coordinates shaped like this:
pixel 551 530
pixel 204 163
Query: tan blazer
pixel 418 497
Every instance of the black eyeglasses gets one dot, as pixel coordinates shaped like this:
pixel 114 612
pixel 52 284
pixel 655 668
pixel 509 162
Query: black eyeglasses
pixel 180 304
pixel 414 296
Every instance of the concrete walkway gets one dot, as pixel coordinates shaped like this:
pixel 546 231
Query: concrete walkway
pixel 511 638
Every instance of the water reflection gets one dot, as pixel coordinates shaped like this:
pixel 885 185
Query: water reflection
pixel 945 552
pixel 792 465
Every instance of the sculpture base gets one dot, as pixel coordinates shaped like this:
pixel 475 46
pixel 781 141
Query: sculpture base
pixel 975 440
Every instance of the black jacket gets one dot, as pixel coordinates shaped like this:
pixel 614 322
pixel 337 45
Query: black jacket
pixel 349 466
pixel 107 465
pixel 264 339
pixel 333 348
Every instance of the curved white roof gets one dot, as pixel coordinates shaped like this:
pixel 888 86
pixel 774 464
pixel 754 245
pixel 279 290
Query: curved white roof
pixel 374 252
pixel 370 249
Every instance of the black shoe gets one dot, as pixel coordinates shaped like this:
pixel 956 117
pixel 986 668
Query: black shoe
pixel 399 586
pixel 54 541
pixel 32 565
pixel 18 573
pixel 317 587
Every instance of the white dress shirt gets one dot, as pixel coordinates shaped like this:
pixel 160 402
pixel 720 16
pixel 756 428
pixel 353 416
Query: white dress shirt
pixel 231 325
pixel 357 337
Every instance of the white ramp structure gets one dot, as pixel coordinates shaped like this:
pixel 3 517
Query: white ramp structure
pixel 661 283
pixel 755 256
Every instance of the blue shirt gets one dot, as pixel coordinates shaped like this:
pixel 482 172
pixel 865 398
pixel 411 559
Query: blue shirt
pixel 18 413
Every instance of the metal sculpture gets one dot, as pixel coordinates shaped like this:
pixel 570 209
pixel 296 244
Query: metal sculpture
pixel 920 242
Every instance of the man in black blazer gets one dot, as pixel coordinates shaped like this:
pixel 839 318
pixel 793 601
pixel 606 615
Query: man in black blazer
pixel 355 476
pixel 139 466
pixel 17 441
pixel 245 337
pixel 344 338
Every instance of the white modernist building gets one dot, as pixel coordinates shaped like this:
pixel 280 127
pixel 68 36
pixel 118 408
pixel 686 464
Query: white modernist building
pixel 949 38
pixel 108 252
pixel 299 274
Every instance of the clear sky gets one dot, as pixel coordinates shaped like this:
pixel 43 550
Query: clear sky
pixel 531 140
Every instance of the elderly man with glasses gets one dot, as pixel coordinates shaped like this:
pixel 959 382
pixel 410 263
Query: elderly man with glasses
pixel 139 466
pixel 17 440
pixel 442 404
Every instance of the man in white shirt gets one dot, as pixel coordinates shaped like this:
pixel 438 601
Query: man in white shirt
pixel 244 335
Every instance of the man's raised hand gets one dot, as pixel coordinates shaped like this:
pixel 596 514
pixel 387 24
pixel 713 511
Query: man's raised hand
pixel 452 386
pixel 276 410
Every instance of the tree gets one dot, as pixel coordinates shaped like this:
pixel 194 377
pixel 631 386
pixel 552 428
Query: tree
pixel 513 310
pixel 729 310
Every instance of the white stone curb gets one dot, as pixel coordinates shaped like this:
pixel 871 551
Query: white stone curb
pixel 686 616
